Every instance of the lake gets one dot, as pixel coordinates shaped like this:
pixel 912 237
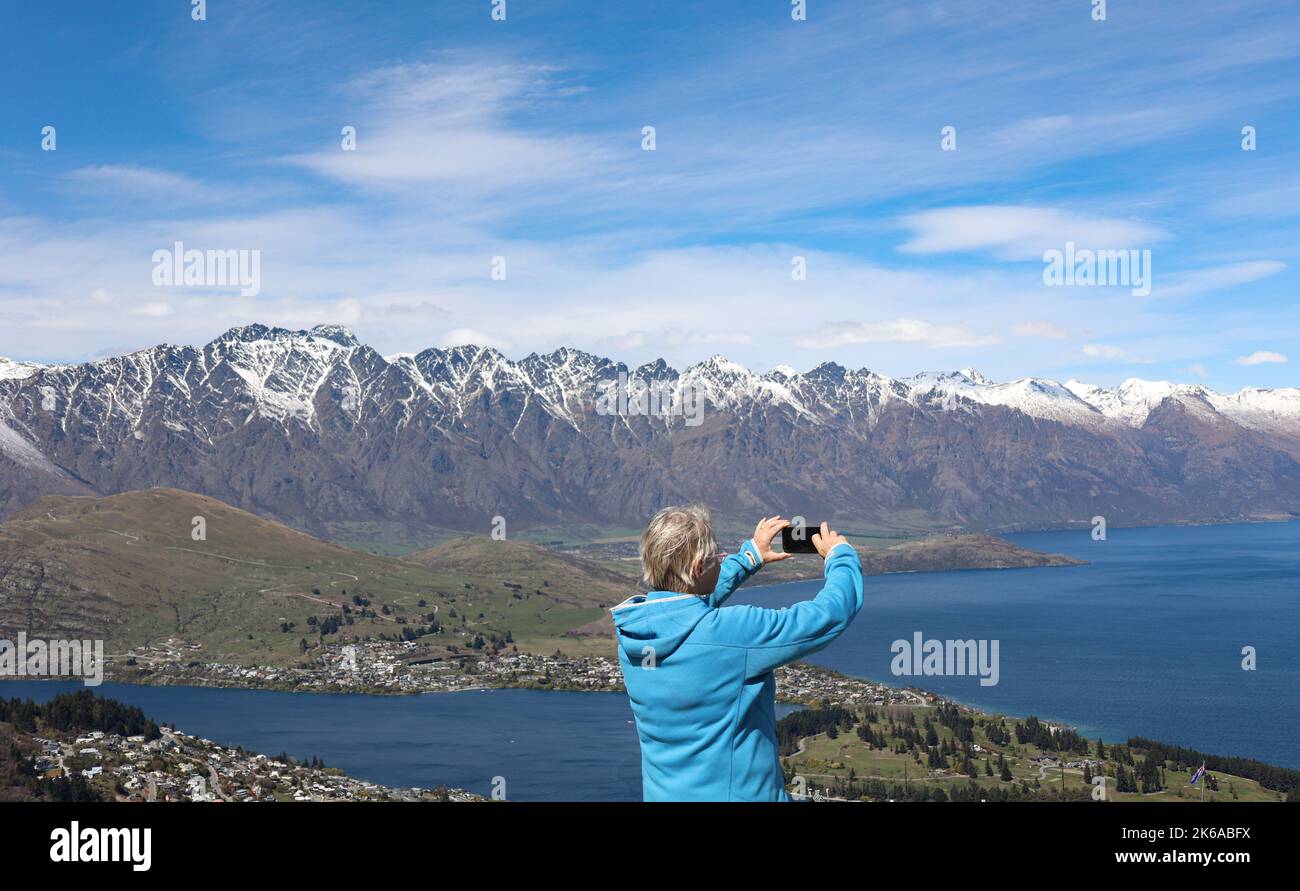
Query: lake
pixel 1145 639
pixel 549 746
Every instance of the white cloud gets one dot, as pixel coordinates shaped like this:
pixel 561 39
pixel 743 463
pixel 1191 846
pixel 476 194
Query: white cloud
pixel 129 179
pixel 1102 351
pixel 1261 357
pixel 1219 277
pixel 904 330
pixel 472 337
pixel 445 125
pixel 402 284
pixel 671 337
pixel 1020 233
pixel 155 310
pixel 1039 328
pixel 1106 353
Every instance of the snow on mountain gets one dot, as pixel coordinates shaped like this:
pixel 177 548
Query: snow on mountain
pixel 1134 399
pixel 18 449
pixel 283 370
pixel 1036 397
pixel 11 370
pixel 564 380
pixel 259 371
pixel 313 426
pixel 721 382
pixel 974 376
pixel 1260 409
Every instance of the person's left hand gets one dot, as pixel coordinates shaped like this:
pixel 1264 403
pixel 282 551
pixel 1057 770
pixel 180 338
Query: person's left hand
pixel 766 530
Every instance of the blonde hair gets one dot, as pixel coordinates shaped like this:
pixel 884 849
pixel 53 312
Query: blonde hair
pixel 676 539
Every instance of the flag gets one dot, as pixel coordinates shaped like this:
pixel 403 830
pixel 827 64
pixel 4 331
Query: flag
pixel 1200 771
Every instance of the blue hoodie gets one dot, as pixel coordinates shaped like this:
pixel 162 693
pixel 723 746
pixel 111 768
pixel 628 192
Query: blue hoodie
pixel 700 678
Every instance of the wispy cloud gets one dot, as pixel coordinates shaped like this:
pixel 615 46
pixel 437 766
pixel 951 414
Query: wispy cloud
pixel 1102 351
pixel 155 309
pixel 838 334
pixel 1021 233
pixel 450 126
pixel 1219 278
pixel 820 139
pixel 131 180
pixel 1261 357
pixel 1039 328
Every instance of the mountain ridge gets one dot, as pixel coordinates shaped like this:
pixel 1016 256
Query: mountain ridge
pixel 315 428
pixel 1122 401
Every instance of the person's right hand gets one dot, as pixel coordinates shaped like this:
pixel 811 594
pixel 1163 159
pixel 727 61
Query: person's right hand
pixel 826 539
pixel 764 532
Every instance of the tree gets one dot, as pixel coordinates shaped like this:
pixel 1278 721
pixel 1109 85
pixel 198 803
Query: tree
pixel 1124 780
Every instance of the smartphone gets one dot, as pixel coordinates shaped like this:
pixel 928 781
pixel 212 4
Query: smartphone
pixel 798 539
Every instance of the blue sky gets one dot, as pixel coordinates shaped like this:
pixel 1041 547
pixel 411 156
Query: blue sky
pixel 775 138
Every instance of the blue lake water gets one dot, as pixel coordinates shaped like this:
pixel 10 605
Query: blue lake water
pixel 1144 640
pixel 548 746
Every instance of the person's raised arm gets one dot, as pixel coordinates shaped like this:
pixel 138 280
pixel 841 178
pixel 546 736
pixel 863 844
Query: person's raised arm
pixel 738 567
pixel 774 637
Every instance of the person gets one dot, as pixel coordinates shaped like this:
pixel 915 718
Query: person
pixel 700 677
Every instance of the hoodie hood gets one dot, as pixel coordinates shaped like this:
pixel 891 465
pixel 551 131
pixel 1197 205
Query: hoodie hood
pixel 660 620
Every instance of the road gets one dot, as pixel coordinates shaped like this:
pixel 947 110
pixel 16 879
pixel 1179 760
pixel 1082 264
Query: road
pixel 216 782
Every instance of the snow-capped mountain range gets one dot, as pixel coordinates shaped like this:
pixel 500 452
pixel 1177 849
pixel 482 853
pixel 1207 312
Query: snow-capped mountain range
pixel 319 430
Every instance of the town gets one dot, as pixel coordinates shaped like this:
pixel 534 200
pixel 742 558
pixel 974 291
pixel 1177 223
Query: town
pixel 180 767
pixel 397 667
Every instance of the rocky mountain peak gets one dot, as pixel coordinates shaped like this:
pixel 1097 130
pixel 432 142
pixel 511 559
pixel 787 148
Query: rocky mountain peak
pixel 337 333
pixel 310 425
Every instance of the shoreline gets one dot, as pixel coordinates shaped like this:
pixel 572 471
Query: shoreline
pixel 917 697
pixel 903 535
pixel 1079 525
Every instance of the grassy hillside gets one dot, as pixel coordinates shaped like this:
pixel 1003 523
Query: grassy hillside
pixel 130 569
pixel 872 754
pixel 127 568
pixel 578 582
pixel 546 596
